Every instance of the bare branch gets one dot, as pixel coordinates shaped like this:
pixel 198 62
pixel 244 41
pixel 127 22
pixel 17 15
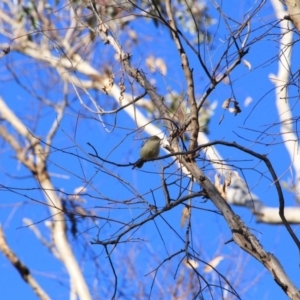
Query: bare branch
pixel 188 76
pixel 21 268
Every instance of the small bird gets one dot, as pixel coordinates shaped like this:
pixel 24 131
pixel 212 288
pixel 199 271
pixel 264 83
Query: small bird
pixel 149 150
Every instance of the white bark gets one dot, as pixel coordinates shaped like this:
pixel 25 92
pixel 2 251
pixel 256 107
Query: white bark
pixel 37 165
pixel 281 82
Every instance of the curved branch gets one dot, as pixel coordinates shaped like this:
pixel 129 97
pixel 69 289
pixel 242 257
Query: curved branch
pixel 275 180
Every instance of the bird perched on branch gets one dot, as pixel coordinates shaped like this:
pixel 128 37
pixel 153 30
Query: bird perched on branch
pixel 149 150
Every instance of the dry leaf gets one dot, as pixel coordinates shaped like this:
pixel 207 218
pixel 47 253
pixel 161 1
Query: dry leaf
pixel 222 188
pixel 108 86
pixel 133 36
pixel 122 90
pixel 235 109
pixel 5 51
pixel 218 184
pixel 161 66
pixel 247 101
pixel 80 190
pixel 150 62
pixel 76 196
pixel 225 80
pixel 156 64
pixel 103 28
pixel 80 211
pixel 185 214
pixel 191 263
pixel 226 103
pixel 228 181
pixel 247 64
pixel 213 263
